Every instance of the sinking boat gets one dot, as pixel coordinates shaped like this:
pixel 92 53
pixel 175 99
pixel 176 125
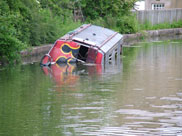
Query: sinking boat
pixel 87 44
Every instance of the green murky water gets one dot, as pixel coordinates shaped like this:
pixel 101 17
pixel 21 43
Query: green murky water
pixel 139 95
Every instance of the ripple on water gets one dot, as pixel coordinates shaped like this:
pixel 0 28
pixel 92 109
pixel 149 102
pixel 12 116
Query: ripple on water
pixel 138 89
pixel 179 94
pixel 178 79
pixel 168 122
pixel 87 108
pixel 165 106
pixel 142 113
pixel 150 98
pixel 171 98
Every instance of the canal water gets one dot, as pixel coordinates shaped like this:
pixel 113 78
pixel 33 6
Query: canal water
pixel 141 94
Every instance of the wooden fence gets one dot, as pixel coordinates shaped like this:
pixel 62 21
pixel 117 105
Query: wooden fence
pixel 159 16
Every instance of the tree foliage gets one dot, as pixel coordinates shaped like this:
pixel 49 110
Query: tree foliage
pixel 26 23
pixel 9 34
pixel 100 8
pixel 114 14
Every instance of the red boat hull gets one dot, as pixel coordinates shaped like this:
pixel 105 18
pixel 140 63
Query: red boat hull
pixel 68 52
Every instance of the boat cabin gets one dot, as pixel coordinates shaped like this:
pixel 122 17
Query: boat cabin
pixel 87 44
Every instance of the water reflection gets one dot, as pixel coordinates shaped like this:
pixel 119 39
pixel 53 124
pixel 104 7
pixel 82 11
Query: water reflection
pixel 62 74
pixel 83 94
pixel 69 74
pixel 140 95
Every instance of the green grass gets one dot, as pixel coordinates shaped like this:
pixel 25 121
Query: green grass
pixel 148 26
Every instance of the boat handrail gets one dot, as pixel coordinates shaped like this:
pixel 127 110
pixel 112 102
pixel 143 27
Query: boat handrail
pixel 104 42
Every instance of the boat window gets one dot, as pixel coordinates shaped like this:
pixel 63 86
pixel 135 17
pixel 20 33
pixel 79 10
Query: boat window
pixel 83 52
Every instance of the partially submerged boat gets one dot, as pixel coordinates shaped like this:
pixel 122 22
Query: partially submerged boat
pixel 87 44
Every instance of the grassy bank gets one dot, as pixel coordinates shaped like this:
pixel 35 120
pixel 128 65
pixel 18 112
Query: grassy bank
pixel 129 24
pixel 166 25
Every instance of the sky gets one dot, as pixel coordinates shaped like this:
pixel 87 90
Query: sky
pixel 140 5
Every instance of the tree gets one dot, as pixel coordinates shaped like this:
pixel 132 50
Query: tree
pixel 93 9
pixel 35 22
pixel 10 44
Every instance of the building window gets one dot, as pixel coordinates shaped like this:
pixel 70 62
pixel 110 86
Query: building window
pixel 157 6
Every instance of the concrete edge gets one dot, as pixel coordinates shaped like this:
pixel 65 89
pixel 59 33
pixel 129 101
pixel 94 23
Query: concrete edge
pixel 128 39
pixel 36 50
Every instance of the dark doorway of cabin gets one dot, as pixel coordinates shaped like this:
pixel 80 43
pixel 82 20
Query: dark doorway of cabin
pixel 83 52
